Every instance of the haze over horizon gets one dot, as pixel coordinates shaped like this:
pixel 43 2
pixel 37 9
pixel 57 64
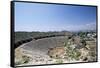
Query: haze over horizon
pixel 49 17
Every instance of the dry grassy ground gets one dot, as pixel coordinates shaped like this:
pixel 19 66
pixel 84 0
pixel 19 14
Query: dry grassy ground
pixel 55 50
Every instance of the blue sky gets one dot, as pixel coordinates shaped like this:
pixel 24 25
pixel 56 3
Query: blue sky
pixel 50 17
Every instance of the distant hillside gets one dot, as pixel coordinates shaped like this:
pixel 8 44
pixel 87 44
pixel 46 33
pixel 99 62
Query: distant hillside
pixel 26 35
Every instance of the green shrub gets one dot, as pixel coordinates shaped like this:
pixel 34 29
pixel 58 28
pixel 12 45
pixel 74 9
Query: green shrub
pixel 70 52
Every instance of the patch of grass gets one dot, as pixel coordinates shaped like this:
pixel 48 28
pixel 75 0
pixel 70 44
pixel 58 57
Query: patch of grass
pixel 74 54
pixel 25 59
pixel 59 61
